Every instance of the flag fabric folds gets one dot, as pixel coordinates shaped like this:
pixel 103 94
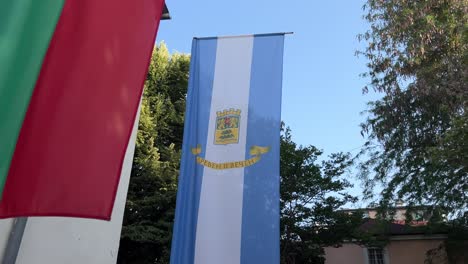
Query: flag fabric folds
pixel 26 27
pixel 228 197
pixel 79 116
pixel 69 240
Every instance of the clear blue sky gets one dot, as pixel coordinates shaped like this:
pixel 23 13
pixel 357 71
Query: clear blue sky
pixel 322 97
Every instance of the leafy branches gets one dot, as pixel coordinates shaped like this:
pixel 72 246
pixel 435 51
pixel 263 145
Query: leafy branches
pixel 311 193
pixel 416 134
pixel 149 213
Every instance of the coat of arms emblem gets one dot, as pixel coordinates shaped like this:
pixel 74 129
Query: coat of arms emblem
pixel 227 127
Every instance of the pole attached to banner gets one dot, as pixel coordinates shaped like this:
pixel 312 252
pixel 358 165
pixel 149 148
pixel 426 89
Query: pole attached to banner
pixel 14 241
pixel 246 35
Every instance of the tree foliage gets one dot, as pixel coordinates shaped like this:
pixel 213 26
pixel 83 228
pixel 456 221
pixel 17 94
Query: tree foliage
pixel 147 227
pixel 311 193
pixel 417 145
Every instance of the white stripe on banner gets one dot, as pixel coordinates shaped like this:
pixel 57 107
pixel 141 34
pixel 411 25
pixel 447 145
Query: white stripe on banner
pixel 219 226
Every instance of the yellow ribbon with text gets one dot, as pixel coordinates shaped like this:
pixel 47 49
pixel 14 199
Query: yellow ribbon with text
pixel 255 151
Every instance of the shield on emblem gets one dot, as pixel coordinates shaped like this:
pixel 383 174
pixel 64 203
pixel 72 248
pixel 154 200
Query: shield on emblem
pixel 227 127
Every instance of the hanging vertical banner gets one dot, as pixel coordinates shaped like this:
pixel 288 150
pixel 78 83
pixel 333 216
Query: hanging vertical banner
pixel 65 157
pixel 228 197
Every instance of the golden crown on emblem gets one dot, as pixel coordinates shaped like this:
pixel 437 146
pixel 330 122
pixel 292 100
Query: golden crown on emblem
pixel 229 112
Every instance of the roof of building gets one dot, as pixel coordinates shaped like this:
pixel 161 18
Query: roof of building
pixel 402 207
pixel 374 226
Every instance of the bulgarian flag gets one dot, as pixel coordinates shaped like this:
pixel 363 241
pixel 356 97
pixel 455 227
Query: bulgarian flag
pixel 71 79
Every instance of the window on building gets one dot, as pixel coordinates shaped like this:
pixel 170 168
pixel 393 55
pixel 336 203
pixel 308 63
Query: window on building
pixel 375 255
pixel 418 216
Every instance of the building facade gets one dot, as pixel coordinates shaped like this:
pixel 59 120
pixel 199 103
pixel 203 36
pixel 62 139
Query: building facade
pixel 406 244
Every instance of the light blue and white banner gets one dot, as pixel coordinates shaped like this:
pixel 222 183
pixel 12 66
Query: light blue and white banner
pixel 228 197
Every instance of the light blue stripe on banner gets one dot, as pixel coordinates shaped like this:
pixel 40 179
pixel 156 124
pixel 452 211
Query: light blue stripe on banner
pixel 260 216
pixel 195 132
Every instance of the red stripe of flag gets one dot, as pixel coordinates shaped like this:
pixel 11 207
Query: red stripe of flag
pixel 71 147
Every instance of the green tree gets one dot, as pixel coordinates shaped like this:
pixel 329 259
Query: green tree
pixel 311 194
pixel 147 227
pixel 417 146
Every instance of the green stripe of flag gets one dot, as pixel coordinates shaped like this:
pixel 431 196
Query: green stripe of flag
pixel 26 27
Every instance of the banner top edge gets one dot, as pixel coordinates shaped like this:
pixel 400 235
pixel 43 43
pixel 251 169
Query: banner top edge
pixel 244 36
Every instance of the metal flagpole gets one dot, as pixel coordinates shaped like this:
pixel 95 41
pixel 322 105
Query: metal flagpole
pixel 14 241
